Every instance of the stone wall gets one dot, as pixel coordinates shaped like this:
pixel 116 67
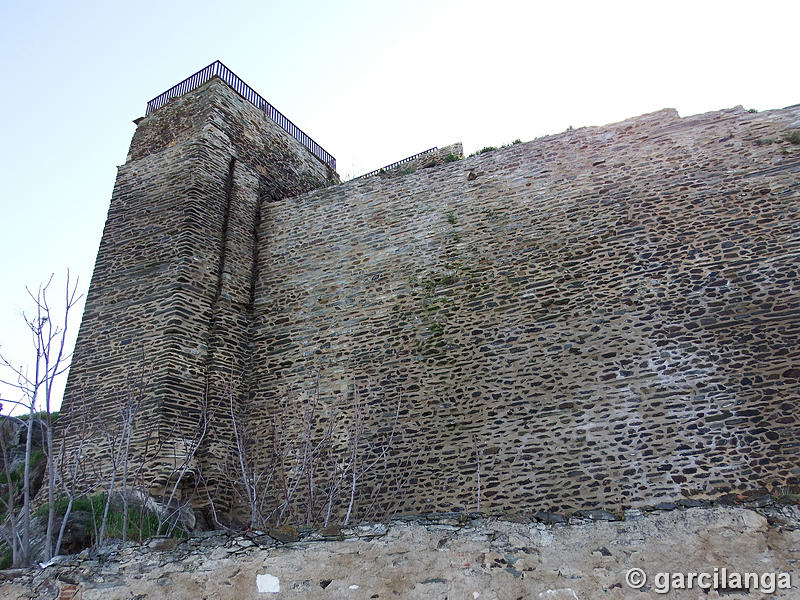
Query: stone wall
pixel 607 317
pixel 443 558
pixel 168 309
pixel 602 318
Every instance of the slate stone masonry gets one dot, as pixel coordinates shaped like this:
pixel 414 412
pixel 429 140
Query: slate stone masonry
pixel 612 312
pixel 168 309
pixel 603 318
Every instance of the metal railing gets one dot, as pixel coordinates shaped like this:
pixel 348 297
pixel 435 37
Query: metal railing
pixel 217 69
pixel 396 164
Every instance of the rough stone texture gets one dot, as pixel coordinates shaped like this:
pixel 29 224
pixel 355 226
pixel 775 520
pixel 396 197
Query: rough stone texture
pixel 168 308
pixel 610 314
pixel 598 319
pixel 479 559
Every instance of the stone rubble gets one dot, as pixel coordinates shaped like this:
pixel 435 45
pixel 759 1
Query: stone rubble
pixel 433 557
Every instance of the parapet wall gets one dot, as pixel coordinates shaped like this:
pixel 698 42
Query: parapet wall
pixel 607 317
pixel 423 160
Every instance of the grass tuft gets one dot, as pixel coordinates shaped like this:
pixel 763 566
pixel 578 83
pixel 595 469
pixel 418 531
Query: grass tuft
pixel 95 505
pixel 793 137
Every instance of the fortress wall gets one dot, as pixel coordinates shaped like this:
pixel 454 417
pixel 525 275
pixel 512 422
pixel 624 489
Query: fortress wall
pixel 607 317
pixel 171 292
pixel 610 315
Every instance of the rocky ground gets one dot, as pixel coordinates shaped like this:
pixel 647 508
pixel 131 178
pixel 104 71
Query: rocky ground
pixel 443 557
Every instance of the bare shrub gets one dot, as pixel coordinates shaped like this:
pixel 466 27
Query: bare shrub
pixel 36 383
pixel 309 465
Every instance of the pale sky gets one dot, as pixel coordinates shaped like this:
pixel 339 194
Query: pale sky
pixel 372 82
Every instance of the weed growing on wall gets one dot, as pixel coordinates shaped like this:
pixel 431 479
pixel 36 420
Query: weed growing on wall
pixel 793 137
pixel 486 149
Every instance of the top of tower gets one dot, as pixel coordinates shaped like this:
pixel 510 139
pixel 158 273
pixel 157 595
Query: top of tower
pixel 217 69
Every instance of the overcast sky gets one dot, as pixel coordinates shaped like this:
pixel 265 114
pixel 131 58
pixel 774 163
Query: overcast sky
pixel 372 82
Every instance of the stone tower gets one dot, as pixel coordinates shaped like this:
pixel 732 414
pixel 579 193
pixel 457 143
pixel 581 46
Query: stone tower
pixel 168 308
